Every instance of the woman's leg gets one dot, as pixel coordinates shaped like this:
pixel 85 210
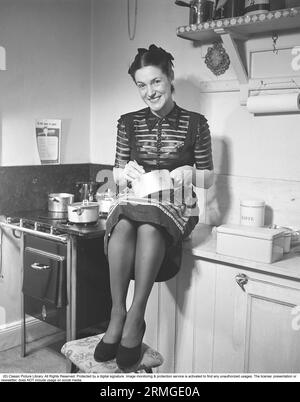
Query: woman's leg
pixel 149 254
pixel 121 254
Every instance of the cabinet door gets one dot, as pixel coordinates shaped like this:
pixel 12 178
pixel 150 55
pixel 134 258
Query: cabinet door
pixel 180 317
pixel 195 305
pixel 255 323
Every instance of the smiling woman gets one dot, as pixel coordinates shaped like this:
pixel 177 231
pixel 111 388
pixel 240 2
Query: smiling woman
pixel 144 234
pixel 153 73
pixel 155 89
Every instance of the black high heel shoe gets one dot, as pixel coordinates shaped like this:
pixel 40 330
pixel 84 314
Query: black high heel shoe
pixel 129 357
pixel 105 351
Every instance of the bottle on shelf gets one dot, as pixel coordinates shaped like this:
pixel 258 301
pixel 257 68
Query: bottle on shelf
pixel 209 10
pixel 228 9
pixel 292 3
pixel 278 4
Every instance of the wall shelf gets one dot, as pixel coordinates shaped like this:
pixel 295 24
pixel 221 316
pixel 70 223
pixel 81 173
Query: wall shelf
pixel 243 27
pixel 231 30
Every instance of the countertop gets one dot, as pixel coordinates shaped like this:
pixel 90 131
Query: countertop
pixel 203 244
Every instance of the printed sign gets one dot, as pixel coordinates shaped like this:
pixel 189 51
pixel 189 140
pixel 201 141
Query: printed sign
pixel 48 136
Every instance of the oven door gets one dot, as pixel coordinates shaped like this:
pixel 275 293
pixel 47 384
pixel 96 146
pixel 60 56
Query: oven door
pixel 44 276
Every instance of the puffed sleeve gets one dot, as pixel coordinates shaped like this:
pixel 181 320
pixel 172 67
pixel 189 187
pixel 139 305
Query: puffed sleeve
pixel 202 148
pixel 123 146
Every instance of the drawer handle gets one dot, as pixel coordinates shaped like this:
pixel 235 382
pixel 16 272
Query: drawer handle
pixel 44 312
pixel 38 266
pixel 241 280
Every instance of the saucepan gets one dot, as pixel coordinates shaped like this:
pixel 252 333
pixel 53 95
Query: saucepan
pixel 83 212
pixel 58 202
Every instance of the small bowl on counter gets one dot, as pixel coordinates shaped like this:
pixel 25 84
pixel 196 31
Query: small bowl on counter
pixel 291 237
pixel 104 201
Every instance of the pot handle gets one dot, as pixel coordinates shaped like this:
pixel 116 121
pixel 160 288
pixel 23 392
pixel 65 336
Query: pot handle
pixel 78 210
pixel 182 3
pixel 53 199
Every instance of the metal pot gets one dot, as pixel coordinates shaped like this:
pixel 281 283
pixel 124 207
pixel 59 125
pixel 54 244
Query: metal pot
pixel 58 202
pixel 83 212
pixel 196 10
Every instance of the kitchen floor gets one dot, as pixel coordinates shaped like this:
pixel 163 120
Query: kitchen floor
pixel 43 356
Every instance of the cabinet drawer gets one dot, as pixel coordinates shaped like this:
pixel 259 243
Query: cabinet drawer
pixel 44 276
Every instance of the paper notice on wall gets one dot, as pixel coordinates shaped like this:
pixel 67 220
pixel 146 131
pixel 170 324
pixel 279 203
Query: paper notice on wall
pixel 48 136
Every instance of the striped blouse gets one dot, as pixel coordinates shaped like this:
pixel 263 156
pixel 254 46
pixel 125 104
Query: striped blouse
pixel 180 138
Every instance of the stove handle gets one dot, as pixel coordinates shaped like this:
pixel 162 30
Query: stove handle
pixel 38 266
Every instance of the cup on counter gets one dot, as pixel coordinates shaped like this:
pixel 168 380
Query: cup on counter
pixel 252 212
pixel 287 238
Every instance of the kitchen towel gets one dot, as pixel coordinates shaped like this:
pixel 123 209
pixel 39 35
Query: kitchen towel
pixel 279 103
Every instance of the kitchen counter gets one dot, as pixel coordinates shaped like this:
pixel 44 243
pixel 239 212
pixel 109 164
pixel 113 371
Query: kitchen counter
pixel 203 244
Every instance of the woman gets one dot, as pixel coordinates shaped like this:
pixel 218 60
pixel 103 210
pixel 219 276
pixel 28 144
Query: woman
pixel 144 235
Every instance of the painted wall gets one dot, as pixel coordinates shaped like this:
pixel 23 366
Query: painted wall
pixel 47 46
pixel 53 47
pixel 113 91
pixel 258 155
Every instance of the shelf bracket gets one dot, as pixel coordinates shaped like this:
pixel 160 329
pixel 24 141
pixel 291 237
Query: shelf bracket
pixel 237 63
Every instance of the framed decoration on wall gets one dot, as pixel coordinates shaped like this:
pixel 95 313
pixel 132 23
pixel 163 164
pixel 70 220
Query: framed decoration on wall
pixel 216 59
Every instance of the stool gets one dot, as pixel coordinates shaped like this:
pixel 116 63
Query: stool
pixel 81 353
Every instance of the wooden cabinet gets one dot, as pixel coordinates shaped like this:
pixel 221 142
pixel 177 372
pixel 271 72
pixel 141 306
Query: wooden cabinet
pixel 215 317
pixel 180 317
pixel 254 323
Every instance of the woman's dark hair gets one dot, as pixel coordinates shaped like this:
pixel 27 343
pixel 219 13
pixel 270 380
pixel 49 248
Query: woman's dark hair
pixel 154 56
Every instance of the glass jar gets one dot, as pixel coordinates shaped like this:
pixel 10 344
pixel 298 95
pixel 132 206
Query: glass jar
pixel 292 3
pixel 278 4
pixel 232 8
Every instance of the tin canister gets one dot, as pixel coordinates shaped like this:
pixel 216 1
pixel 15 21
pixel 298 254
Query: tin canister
pixel 256 6
pixel 252 212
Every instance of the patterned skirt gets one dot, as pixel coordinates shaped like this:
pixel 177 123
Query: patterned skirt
pixel 174 217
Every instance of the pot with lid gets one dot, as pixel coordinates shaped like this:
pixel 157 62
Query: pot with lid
pixel 83 212
pixel 58 202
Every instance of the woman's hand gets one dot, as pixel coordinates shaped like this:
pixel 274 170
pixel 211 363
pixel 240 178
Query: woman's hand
pixel 182 176
pixel 132 171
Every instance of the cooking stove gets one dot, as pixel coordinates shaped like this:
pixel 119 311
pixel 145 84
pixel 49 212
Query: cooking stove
pixel 53 225
pixel 70 258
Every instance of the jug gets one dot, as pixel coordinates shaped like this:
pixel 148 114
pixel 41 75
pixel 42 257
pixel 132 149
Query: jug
pixel 196 10
pixel 86 190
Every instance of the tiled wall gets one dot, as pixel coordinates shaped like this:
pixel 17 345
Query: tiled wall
pixel 282 198
pixel 24 188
